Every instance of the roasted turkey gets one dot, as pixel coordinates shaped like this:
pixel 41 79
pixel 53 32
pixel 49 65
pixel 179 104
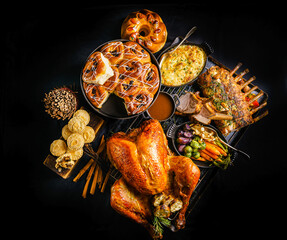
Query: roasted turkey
pixel 154 182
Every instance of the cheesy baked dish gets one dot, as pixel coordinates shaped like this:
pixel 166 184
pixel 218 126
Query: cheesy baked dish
pixel 182 65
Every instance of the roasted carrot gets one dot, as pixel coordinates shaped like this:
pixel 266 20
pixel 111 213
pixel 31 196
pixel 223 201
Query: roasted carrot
pixel 205 156
pixel 222 152
pixel 210 147
pixel 210 154
pixel 198 159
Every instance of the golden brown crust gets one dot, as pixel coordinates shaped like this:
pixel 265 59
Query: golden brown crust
pixel 150 78
pixel 132 50
pixel 127 87
pixel 146 28
pixel 96 94
pixel 94 66
pixel 186 176
pixel 148 168
pixel 114 51
pixel 133 158
pixel 139 101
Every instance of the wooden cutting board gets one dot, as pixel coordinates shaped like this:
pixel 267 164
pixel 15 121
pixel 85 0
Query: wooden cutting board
pixel 96 123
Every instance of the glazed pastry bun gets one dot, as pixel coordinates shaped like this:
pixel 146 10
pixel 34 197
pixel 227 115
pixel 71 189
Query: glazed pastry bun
pixel 97 69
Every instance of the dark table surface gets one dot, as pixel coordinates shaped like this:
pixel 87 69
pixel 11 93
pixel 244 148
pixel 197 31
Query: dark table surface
pixel 46 48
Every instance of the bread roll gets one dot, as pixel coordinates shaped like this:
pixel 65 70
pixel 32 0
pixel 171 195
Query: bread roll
pixel 84 115
pixel 75 141
pixel 88 134
pixel 97 69
pixel 58 147
pixel 76 125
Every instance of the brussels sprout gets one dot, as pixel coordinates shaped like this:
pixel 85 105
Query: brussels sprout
pixel 196 154
pixel 202 146
pixel 194 144
pixel 187 149
pixel 196 138
pixel 189 154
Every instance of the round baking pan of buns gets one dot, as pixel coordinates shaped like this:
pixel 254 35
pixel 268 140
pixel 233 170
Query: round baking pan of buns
pixel 114 106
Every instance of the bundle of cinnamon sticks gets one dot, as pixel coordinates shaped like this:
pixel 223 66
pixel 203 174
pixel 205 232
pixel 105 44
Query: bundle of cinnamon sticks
pixel 94 169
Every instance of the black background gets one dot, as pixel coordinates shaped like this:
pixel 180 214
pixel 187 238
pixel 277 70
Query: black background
pixel 46 48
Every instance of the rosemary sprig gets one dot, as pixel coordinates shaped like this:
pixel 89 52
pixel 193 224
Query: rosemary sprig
pixel 157 226
pixel 158 223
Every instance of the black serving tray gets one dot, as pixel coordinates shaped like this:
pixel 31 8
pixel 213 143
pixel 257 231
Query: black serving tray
pixel 207 174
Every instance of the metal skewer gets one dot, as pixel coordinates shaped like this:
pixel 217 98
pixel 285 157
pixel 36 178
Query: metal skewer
pixel 191 31
pixel 235 149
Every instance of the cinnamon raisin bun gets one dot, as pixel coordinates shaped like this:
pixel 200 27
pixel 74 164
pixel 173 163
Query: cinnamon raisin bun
pixel 127 87
pixel 114 51
pixel 150 77
pixel 97 69
pixel 146 28
pixel 96 94
pixel 135 79
pixel 130 68
pixel 134 51
pixel 139 102
pixel 113 81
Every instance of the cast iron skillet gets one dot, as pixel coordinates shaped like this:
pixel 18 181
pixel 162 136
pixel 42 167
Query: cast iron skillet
pixel 204 46
pixel 172 134
pixel 114 106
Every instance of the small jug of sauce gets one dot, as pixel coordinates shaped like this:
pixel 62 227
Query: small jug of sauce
pixel 164 106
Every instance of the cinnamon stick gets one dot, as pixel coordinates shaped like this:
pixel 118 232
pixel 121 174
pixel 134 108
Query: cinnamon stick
pixel 106 180
pixel 83 170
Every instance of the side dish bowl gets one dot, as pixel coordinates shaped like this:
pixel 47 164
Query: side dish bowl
pixel 186 67
pixel 173 135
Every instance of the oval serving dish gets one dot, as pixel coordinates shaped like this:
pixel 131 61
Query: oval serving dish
pixel 172 133
pixel 114 106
